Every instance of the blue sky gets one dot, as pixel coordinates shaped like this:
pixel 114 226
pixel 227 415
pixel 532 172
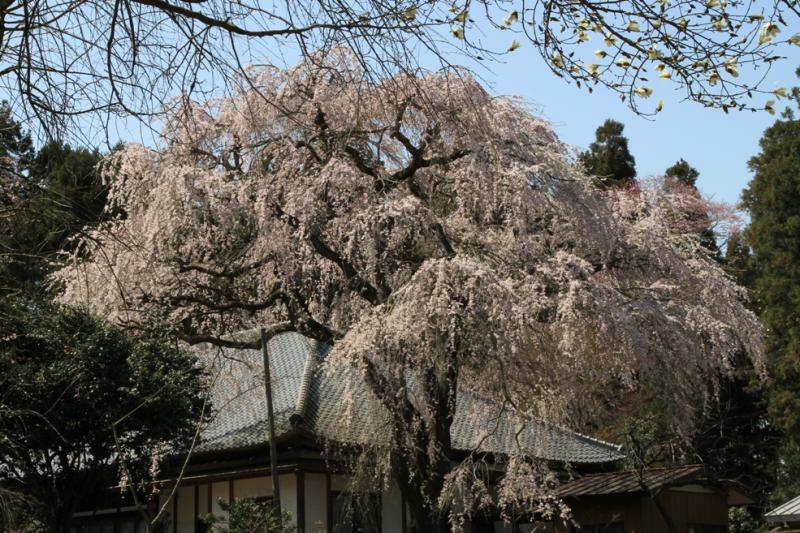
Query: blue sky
pixel 718 145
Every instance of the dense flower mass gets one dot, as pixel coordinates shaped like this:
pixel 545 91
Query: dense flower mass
pixel 440 238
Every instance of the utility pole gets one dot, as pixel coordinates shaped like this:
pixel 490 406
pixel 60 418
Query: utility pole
pixel 273 448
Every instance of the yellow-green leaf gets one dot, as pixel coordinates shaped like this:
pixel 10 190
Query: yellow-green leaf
pixel 780 92
pixel 609 39
pixel 583 36
pixel 511 18
pixel 769 107
pixel 731 68
pixel 557 60
pixel 592 69
pixel 659 106
pixel 795 39
pixel 600 53
pixel 768 31
pixel 656 23
pixel 665 75
pixel 623 61
pixel 410 13
pixel 459 32
pixel 633 26
pixel 462 17
pixel 643 92
pixel 514 45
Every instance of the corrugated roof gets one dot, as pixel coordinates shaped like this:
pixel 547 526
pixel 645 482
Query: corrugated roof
pixel 339 407
pixel 788 512
pixel 632 481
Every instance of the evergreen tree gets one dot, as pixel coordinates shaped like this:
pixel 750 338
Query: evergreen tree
pixel 773 200
pixel 16 153
pixel 771 268
pixel 62 194
pixel 70 382
pixel 684 176
pixel 608 157
pixel 683 172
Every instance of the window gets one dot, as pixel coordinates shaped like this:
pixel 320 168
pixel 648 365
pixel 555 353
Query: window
pixel 355 513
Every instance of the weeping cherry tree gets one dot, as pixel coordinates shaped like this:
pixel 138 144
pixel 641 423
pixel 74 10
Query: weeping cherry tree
pixel 439 238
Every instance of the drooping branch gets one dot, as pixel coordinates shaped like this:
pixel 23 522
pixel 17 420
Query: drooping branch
pixel 361 286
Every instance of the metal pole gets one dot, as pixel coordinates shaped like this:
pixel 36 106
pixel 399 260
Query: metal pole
pixel 273 448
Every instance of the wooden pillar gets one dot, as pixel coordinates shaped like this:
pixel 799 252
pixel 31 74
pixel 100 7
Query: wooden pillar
pixel 301 501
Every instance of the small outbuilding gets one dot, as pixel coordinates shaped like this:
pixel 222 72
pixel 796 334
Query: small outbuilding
pixel 683 499
pixel 786 517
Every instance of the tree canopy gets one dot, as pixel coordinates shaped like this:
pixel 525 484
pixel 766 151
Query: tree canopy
pixel 772 199
pixel 63 60
pixel 609 158
pixel 439 238
pixel 68 381
pixel 47 196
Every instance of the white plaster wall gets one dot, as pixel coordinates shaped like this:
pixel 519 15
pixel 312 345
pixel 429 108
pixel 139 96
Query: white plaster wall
pixel 202 500
pixel 186 509
pixel 316 502
pixel 219 491
pixel 288 484
pixel 252 487
pixel 167 520
pixel 392 510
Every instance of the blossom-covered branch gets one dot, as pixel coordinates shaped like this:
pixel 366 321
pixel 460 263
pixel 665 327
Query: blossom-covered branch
pixel 494 268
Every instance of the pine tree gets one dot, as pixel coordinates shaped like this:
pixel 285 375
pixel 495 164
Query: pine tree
pixel 608 157
pixel 768 262
pixel 773 201
pixel 683 172
pixel 684 176
pixel 56 193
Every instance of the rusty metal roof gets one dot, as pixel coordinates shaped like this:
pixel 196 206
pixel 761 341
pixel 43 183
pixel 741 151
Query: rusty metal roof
pixel 632 481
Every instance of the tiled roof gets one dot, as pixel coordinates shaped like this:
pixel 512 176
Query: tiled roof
pixel 340 408
pixel 788 512
pixel 632 481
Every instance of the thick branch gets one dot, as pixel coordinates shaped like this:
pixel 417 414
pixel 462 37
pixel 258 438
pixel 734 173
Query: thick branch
pixel 361 286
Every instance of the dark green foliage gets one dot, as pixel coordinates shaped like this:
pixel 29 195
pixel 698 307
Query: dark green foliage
pixel 65 378
pixel 246 515
pixel 46 198
pixel 734 436
pixel 773 200
pixel 63 195
pixel 683 177
pixel 741 520
pixel 608 157
pixel 16 153
pixel 767 261
pixel 683 172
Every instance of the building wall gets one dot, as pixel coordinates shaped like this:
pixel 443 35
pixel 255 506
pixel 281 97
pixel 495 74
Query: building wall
pixel 641 514
pixel 314 505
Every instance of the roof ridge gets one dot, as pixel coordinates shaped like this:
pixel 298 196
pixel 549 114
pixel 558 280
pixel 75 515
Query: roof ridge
pixel 617 447
pixel 309 369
